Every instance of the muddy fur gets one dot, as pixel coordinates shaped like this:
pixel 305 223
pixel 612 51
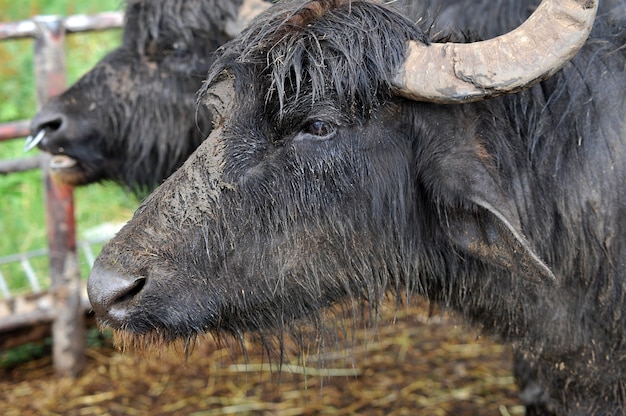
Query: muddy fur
pixel 318 186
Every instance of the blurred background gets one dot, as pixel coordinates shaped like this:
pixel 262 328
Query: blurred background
pixel 22 216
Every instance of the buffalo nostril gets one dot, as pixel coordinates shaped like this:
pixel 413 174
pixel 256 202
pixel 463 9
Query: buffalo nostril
pixel 50 122
pixel 111 294
pixel 53 124
pixel 46 126
pixel 131 291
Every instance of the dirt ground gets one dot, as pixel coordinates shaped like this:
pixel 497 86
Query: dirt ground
pixel 413 364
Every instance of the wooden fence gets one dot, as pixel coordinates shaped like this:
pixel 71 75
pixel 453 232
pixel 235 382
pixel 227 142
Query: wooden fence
pixel 64 305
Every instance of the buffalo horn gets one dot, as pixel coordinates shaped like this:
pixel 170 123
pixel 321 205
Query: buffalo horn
pixel 451 73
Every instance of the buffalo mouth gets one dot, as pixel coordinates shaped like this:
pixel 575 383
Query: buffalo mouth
pixel 62 163
pixel 68 170
pixel 62 167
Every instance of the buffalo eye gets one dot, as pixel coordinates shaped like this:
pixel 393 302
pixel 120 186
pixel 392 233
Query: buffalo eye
pixel 316 130
pixel 179 51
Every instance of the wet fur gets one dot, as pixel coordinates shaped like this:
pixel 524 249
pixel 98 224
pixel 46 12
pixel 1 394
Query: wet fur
pixel 264 226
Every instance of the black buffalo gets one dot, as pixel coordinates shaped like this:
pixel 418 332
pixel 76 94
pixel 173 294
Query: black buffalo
pixel 342 168
pixel 134 118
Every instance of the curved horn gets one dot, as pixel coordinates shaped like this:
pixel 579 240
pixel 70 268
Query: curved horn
pixel 451 73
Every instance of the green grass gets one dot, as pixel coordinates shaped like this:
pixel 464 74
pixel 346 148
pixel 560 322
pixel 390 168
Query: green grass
pixel 22 215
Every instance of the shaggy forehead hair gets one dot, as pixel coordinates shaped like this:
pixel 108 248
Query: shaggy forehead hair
pixel 346 49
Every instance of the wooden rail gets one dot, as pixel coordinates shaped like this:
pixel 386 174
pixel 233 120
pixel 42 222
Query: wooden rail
pixel 64 304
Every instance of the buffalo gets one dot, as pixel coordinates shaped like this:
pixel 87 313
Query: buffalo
pixel 132 118
pixel 354 156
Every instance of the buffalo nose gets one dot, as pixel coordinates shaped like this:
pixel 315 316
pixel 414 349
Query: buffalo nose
pixel 48 129
pixel 111 294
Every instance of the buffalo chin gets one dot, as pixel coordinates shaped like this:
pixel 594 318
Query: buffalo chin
pixel 151 342
pixel 69 171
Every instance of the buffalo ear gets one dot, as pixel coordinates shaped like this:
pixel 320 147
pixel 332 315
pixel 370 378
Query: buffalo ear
pixel 486 233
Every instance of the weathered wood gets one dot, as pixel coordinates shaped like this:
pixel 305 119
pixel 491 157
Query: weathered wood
pixel 68 326
pixel 28 318
pixel 72 24
pixel 20 165
pixel 9 131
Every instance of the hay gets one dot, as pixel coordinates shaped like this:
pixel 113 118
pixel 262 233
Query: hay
pixel 415 365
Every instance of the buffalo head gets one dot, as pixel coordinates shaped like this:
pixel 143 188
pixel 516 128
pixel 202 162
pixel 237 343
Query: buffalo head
pixel 314 186
pixel 133 118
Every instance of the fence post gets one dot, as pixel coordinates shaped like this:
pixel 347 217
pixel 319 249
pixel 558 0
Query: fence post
pixel 68 329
